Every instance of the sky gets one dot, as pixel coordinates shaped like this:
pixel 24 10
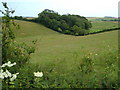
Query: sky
pixel 87 8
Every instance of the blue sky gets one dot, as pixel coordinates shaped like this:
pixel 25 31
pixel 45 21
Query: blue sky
pixel 87 8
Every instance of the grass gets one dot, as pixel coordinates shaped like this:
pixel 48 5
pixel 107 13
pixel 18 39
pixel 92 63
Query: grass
pixel 102 25
pixel 59 56
pixel 102 19
pixel 51 44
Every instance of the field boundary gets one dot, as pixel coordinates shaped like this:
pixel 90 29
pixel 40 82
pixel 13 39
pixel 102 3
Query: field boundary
pixel 105 30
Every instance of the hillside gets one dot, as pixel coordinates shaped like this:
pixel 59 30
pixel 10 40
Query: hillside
pixel 60 56
pixel 52 45
pixel 59 51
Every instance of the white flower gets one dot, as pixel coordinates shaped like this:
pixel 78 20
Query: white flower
pixel 1 76
pixel 14 63
pixel 1 71
pixel 6 64
pixel 9 64
pixel 3 65
pixel 14 77
pixel 96 54
pixel 17 73
pixel 8 73
pixel 38 74
pixel 5 74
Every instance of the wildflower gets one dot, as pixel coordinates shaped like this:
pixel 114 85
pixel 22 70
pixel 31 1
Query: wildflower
pixel 96 54
pixel 38 74
pixel 3 65
pixel 5 74
pixel 9 64
pixel 1 71
pixel 8 73
pixel 14 64
pixel 1 76
pixel 14 77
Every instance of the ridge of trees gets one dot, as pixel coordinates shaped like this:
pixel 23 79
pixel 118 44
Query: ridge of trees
pixel 66 24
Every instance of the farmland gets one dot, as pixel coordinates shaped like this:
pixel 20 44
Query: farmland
pixel 102 25
pixel 58 51
pixel 60 56
pixel 51 42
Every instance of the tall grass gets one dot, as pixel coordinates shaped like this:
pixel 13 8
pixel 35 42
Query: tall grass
pixel 86 73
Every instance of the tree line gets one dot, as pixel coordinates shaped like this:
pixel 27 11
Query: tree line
pixel 66 24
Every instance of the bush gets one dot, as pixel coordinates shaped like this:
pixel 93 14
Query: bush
pixel 11 50
pixel 68 24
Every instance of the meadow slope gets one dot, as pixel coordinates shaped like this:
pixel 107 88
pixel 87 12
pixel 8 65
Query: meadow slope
pixel 52 45
pixel 63 53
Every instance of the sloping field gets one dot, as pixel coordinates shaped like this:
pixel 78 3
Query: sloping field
pixel 52 45
pixel 58 53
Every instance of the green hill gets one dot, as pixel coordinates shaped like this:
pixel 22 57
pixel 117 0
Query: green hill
pixel 52 45
pixel 60 56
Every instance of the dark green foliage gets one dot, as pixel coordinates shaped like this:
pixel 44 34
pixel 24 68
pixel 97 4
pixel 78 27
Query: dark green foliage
pixel 11 50
pixel 24 18
pixel 67 24
pixel 18 17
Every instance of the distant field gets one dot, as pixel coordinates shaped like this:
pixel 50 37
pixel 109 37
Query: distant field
pixel 102 25
pixel 102 19
pixel 59 55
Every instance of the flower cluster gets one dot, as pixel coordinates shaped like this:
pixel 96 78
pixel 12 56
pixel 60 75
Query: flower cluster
pixel 9 64
pixel 38 74
pixel 7 74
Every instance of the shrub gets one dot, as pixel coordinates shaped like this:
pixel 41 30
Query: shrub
pixel 11 50
pixel 68 24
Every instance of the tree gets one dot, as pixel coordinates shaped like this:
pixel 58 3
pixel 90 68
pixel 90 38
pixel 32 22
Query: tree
pixel 11 51
pixel 67 24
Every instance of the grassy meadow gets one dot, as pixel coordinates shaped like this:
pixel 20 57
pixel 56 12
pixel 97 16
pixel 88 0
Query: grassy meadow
pixel 72 61
pixel 102 25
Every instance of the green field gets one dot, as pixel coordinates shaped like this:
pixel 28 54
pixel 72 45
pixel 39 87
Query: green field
pixel 99 25
pixel 102 18
pixel 102 25
pixel 51 44
pixel 59 55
